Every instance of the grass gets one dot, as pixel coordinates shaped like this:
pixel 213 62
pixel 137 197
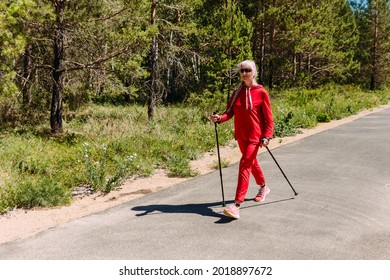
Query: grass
pixel 224 163
pixel 302 108
pixel 102 145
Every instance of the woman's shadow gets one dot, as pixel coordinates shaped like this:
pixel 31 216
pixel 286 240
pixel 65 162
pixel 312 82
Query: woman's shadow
pixel 203 209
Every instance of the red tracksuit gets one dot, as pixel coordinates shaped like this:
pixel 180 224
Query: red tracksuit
pixel 253 120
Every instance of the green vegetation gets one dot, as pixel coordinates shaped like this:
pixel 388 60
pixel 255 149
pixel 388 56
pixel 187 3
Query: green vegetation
pixel 92 92
pixel 303 108
pixel 102 145
pixel 224 163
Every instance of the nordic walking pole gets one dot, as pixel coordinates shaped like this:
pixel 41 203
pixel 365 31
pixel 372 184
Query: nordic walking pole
pixel 219 162
pixel 281 171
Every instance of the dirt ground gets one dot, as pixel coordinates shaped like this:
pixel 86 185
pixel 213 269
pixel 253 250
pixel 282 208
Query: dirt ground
pixel 19 224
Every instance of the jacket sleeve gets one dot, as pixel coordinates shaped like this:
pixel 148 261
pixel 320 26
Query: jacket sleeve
pixel 227 115
pixel 268 118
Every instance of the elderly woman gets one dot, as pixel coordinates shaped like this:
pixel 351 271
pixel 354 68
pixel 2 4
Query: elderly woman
pixel 253 128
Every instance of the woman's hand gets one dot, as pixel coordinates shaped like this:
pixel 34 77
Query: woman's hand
pixel 215 118
pixel 265 141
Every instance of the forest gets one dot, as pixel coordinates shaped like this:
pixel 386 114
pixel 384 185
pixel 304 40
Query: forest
pixel 61 54
pixel 63 61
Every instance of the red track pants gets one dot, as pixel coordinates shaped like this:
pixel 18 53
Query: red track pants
pixel 248 165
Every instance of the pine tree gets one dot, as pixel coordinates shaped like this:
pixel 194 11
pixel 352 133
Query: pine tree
pixel 302 42
pixel 13 41
pixel 227 41
pixel 174 58
pixel 74 47
pixel 373 50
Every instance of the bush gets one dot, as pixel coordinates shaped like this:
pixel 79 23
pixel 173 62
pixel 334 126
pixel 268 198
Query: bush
pixel 37 193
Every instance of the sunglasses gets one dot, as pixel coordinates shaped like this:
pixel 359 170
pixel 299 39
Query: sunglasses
pixel 246 70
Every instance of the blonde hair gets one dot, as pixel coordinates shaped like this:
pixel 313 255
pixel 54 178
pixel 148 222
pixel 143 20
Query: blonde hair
pixel 250 64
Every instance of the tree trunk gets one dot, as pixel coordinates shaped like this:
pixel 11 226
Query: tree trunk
pixel 154 72
pixel 26 92
pixel 262 46
pixel 230 51
pixel 272 50
pixel 57 73
pixel 374 63
pixel 295 71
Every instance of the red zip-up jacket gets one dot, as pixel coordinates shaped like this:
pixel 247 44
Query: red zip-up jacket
pixel 251 108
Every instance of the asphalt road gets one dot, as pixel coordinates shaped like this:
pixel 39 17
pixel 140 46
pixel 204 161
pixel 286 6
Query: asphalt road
pixel 342 211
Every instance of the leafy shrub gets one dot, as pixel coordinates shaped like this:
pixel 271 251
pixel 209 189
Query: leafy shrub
pixel 179 166
pixel 34 193
pixel 323 117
